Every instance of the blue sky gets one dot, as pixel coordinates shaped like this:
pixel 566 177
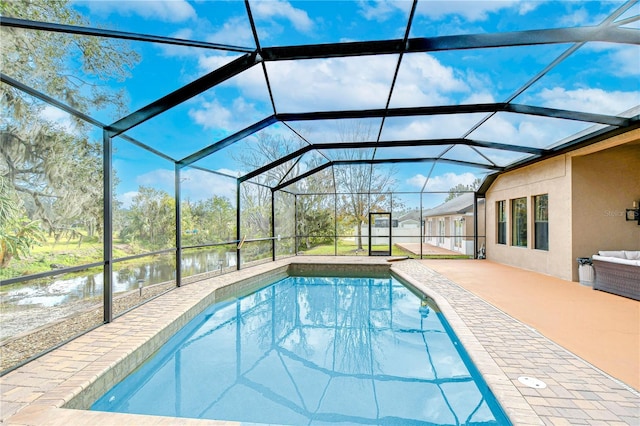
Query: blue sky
pixel 599 77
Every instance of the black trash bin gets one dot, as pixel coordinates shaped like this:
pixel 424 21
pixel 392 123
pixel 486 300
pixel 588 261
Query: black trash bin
pixel 586 274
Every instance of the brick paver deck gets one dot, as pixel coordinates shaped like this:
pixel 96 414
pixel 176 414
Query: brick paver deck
pixel 577 393
pixel 502 348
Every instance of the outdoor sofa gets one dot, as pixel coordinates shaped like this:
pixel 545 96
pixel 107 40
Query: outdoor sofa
pixel 618 272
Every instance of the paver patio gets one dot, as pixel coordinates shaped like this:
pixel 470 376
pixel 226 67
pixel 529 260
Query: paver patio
pixel 502 348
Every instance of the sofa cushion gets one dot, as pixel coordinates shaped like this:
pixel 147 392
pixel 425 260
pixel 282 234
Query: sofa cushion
pixel 618 260
pixel 618 253
pixel 632 255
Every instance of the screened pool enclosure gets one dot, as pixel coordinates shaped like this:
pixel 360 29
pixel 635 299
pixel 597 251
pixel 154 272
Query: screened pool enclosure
pixel 148 152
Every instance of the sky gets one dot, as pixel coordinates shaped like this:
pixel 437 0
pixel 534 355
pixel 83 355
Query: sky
pixel 598 77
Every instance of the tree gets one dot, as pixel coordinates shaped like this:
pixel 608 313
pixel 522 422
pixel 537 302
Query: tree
pixel 221 218
pixel 55 168
pixel 315 217
pixel 255 195
pixel 364 188
pixel 18 234
pixel 315 205
pixel 151 219
pixel 461 188
pixel 210 220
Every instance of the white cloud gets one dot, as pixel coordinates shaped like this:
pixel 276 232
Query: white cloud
pixel 196 184
pixel 580 17
pixel 199 185
pixel 442 182
pixel 429 127
pixel 528 6
pixel 471 10
pixel 417 180
pixel 524 130
pixel 208 63
pixel 344 83
pixel 625 61
pixel 316 85
pixel 236 32
pixel 382 9
pixel 127 198
pixel 474 10
pixel 479 98
pixel 213 115
pixel 359 82
pixel 283 9
pixel 181 52
pixel 423 80
pixel 166 10
pixel 160 179
pixel 60 118
pixel 589 100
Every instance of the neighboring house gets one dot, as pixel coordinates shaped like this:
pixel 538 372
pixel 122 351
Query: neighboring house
pixel 410 220
pixel 543 216
pixel 450 225
pixel 404 228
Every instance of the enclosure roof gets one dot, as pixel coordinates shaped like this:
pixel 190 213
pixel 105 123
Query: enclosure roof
pixel 277 93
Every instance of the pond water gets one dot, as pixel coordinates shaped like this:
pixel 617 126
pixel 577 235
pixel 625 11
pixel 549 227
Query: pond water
pixel 86 285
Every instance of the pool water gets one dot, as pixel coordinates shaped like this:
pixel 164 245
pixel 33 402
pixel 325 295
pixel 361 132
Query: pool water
pixel 310 351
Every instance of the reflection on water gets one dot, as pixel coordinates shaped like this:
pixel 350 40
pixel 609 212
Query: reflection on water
pixel 55 291
pixel 347 351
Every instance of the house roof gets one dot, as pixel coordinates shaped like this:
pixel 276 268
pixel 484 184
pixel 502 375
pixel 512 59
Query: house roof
pixel 463 203
pixel 412 215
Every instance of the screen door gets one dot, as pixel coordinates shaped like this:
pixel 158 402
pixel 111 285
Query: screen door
pixel 380 234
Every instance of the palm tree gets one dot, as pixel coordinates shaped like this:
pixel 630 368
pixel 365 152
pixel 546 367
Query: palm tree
pixel 17 233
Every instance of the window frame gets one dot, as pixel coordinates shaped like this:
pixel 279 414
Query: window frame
pixel 541 222
pixel 501 225
pixel 458 231
pixel 519 231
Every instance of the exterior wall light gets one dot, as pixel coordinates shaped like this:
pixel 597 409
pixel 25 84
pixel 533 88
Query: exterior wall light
pixel 634 213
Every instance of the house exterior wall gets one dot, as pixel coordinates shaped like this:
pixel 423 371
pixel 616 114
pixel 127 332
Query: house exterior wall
pixel 550 177
pixel 481 231
pixel 409 224
pixel 448 241
pixel 605 184
pixel 588 191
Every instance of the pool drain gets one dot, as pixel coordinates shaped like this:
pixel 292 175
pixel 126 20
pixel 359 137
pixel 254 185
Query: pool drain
pixel 532 382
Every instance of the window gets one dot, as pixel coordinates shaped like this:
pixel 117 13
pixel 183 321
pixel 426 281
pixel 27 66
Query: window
pixel 519 222
pixel 501 208
pixel 441 231
pixel 457 232
pixel 541 208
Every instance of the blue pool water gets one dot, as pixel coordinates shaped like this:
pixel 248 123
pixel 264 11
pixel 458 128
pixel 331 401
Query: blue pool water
pixel 309 351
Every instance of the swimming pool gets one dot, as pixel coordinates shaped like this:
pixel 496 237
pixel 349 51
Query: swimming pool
pixel 313 351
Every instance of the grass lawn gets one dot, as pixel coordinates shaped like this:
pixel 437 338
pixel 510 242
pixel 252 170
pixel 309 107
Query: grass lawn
pixel 350 249
pixel 346 248
pixel 61 255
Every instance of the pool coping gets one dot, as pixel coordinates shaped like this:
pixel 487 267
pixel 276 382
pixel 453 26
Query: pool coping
pixel 515 406
pixel 48 390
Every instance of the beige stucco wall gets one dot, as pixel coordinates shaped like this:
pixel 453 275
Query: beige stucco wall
pixel 589 190
pixel 604 185
pixel 550 177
